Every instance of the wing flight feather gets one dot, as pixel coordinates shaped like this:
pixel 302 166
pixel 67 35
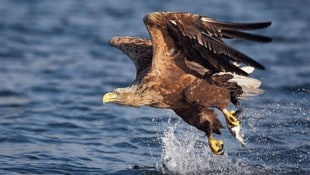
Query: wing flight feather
pixel 201 39
pixel 139 50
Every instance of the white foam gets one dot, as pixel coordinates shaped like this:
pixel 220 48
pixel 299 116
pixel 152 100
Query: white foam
pixel 187 152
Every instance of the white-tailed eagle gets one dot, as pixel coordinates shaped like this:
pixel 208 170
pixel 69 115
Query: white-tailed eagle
pixel 187 67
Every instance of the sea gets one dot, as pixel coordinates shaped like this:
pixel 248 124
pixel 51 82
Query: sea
pixel 55 65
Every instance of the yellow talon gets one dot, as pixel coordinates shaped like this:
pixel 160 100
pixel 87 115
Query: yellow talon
pixel 233 125
pixel 231 120
pixel 216 146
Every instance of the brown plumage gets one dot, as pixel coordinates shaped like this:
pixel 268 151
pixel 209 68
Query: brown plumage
pixel 187 67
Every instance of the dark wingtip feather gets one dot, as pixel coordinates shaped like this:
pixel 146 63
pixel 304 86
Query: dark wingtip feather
pixel 246 36
pixel 258 66
pixel 244 26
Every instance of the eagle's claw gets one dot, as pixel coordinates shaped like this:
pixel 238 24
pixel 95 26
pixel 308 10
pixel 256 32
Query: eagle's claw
pixel 216 146
pixel 233 124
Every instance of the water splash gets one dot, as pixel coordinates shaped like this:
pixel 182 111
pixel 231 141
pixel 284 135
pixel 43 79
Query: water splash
pixel 185 152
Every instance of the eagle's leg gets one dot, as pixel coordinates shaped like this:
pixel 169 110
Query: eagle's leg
pixel 233 124
pixel 205 120
pixel 216 146
pixel 238 112
pixel 235 101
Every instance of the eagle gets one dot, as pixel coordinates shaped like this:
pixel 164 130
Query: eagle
pixel 186 66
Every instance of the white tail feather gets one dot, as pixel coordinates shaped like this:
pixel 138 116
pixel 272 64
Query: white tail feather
pixel 250 86
pixel 248 69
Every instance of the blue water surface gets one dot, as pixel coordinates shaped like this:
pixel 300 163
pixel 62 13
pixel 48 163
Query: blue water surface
pixel 55 65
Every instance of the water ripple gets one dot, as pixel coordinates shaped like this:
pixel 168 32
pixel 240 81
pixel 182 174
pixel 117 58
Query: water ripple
pixel 56 65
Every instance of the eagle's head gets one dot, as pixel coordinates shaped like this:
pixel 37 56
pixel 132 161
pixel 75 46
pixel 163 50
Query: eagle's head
pixel 120 96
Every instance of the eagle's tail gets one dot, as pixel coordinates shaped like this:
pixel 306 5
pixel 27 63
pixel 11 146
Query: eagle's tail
pixel 250 86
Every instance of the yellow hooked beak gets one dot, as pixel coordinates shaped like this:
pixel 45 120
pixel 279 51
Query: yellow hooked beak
pixel 109 97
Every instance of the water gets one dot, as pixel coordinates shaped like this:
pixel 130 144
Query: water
pixel 56 65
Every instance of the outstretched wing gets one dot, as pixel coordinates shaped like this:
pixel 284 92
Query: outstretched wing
pixel 139 50
pixel 200 40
